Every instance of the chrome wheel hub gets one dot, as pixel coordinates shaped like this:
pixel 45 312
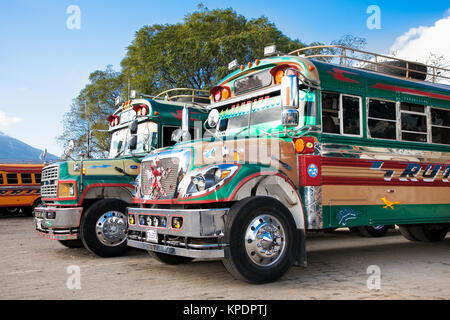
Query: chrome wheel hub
pixel 111 228
pixel 265 240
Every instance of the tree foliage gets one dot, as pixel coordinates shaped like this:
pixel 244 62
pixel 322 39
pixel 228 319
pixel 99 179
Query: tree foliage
pixel 196 53
pixel 90 108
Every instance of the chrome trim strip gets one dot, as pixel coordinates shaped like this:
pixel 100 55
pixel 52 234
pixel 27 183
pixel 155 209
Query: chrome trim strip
pixel 192 253
pixel 334 150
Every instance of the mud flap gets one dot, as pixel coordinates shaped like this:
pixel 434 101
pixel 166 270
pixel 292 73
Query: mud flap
pixel 300 260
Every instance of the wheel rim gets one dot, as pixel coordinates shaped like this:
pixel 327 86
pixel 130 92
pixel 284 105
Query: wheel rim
pixel 111 228
pixel 265 240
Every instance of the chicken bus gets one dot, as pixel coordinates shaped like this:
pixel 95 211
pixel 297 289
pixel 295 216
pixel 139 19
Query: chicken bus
pixel 85 200
pixel 300 142
pixel 20 187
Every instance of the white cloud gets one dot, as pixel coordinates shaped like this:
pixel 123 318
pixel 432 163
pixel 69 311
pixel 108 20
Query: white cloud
pixel 417 43
pixel 5 120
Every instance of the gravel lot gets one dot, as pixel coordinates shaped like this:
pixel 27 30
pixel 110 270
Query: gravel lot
pixel 36 268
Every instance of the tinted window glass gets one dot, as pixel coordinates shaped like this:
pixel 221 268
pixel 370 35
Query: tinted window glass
pixel 11 178
pixel 440 117
pixel 255 81
pixel 382 109
pixel 382 129
pixel 351 116
pixel 414 122
pixel 1 178
pixel 440 126
pixel 414 137
pixel 330 113
pixel 26 178
pixel 37 177
pixel 405 106
pixel 441 135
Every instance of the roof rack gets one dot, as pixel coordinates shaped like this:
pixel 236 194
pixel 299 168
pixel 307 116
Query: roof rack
pixel 185 95
pixel 375 62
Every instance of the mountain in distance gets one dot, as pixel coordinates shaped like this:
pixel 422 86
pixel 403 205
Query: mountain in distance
pixel 13 150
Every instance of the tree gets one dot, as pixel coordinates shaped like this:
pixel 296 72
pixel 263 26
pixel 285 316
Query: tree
pixel 193 54
pixel 89 111
pixel 196 53
pixel 440 68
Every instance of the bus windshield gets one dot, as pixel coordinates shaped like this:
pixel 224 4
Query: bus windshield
pixel 147 138
pixel 265 115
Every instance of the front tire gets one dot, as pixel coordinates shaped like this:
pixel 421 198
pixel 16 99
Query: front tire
pixel 263 240
pixel 104 228
pixel 169 258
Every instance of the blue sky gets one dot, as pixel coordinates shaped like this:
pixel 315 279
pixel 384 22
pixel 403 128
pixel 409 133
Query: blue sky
pixel 43 64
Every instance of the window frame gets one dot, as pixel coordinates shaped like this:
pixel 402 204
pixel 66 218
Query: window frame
pixel 396 118
pixel 430 125
pixel 399 126
pixel 341 115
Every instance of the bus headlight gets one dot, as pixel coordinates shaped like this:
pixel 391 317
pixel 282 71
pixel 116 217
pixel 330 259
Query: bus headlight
pixel 210 178
pixel 66 190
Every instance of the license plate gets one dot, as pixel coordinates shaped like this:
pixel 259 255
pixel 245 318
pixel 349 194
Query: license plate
pixel 38 224
pixel 152 236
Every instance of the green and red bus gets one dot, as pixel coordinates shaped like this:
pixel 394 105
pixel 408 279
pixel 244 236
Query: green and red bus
pixel 85 200
pixel 297 144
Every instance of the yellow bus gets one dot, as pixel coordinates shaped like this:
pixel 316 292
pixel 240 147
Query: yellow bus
pixel 20 187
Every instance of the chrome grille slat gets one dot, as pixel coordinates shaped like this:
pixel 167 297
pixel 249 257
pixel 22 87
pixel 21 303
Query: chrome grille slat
pixel 49 182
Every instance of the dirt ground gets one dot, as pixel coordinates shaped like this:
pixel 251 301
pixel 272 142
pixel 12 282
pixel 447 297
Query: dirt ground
pixel 32 267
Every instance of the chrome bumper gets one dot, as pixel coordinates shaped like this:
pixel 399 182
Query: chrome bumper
pixel 58 223
pixel 200 235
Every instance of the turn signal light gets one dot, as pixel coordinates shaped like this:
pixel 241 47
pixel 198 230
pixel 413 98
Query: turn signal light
pixel 220 93
pixel 299 145
pixel 279 76
pixel 113 120
pixel 304 145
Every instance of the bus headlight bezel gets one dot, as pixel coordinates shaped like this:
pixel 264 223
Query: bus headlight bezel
pixel 210 178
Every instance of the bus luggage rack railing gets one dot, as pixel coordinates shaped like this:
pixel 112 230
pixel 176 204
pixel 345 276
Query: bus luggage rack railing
pixel 185 94
pixel 375 62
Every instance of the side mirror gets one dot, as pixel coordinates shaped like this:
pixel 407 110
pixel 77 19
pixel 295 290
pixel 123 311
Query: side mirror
pixel 43 155
pixel 132 143
pixel 69 149
pixel 213 118
pixel 289 91
pixel 176 135
pixel 290 117
pixel 133 127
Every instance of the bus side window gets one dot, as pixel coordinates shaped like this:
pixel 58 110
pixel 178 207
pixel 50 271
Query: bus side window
pixel 382 119
pixel 413 122
pixel 37 178
pixel 26 178
pixel 167 135
pixel 330 113
pixel 1 178
pixel 11 178
pixel 351 115
pixel 440 126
